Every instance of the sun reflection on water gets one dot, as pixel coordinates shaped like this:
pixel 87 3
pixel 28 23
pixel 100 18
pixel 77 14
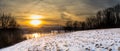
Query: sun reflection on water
pixel 36 35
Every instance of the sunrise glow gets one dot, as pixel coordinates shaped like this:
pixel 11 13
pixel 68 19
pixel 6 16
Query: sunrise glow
pixel 35 19
pixel 36 16
pixel 35 22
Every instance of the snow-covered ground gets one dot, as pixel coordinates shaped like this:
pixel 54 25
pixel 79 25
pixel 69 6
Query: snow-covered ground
pixel 91 40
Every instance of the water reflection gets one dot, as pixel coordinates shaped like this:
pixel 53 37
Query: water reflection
pixel 37 35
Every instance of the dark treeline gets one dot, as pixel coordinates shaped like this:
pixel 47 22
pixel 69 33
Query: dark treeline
pixel 107 18
pixel 10 32
pixel 8 22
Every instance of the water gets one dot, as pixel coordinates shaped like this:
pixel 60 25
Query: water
pixel 37 35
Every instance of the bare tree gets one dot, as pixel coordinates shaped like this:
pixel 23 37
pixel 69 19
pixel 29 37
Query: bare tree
pixel 7 21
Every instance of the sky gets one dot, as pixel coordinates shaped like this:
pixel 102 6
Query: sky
pixel 54 11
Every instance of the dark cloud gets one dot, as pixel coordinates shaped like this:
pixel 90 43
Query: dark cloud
pixel 61 4
pixel 101 3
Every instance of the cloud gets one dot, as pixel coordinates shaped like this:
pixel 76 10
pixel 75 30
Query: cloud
pixel 101 3
pixel 54 8
pixel 74 6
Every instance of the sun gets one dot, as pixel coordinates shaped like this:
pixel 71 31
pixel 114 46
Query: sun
pixel 35 22
pixel 35 19
pixel 36 16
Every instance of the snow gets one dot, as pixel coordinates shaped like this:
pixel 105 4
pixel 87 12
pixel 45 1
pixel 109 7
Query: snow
pixel 91 40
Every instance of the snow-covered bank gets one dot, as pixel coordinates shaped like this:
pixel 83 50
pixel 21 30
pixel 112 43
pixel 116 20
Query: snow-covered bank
pixel 92 40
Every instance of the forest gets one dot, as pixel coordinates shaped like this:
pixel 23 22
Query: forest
pixel 106 18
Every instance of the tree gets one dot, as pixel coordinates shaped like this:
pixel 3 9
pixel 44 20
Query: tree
pixel 76 25
pixel 69 25
pixel 107 18
pixel 7 21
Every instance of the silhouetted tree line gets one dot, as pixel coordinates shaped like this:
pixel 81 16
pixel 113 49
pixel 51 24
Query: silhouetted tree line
pixel 8 22
pixel 107 18
pixel 10 33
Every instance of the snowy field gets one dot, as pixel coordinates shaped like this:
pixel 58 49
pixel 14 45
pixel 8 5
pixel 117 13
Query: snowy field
pixel 91 40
